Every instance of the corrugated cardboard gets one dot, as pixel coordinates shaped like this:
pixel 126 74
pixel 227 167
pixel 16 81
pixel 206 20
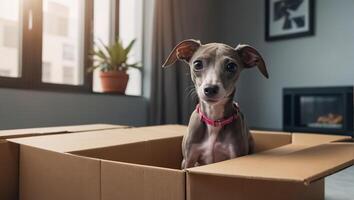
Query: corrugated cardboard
pixel 102 138
pixel 265 140
pixel 315 139
pixel 293 171
pixel 9 152
pixel 206 187
pixel 143 163
pixel 57 173
pixel 315 163
pixel 16 133
pixel 153 170
pixel 124 145
pixel 141 182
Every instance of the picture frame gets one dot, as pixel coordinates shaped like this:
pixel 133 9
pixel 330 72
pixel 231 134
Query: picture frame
pixel 286 19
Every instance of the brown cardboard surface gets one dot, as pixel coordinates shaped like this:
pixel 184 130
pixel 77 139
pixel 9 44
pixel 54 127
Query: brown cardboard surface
pixel 205 187
pixel 103 138
pixel 160 153
pixel 166 152
pixel 15 133
pixel 50 175
pixel 130 153
pixel 129 145
pixel 143 163
pixel 78 141
pixel 315 139
pixel 138 182
pixel 135 167
pixel 8 170
pixel 160 131
pixel 294 164
pixel 151 167
pixel 265 140
pixel 9 153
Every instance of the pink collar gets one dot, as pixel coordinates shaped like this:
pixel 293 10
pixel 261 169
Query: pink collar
pixel 220 122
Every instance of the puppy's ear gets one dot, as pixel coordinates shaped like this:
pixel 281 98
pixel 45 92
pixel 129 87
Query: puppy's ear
pixel 251 58
pixel 182 51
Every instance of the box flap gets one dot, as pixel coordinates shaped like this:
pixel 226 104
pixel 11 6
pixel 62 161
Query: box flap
pixel 265 140
pixel 77 141
pixel 15 133
pixel 163 153
pixel 292 162
pixel 9 163
pixel 51 175
pixel 140 182
pixel 315 139
pixel 159 132
pixel 98 139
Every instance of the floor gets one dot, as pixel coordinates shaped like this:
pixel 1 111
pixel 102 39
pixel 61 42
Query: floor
pixel 340 186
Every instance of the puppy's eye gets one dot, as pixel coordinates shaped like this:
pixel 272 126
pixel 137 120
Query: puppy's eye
pixel 231 67
pixel 198 65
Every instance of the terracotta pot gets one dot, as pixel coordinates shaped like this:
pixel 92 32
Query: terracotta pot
pixel 114 81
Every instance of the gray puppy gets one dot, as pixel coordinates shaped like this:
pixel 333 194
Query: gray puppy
pixel 217 130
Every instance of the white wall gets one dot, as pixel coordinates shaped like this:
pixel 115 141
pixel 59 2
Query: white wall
pixel 326 59
pixel 27 108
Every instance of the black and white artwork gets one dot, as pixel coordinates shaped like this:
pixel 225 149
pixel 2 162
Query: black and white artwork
pixel 289 19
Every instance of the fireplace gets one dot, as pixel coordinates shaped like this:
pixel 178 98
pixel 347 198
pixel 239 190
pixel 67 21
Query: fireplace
pixel 318 110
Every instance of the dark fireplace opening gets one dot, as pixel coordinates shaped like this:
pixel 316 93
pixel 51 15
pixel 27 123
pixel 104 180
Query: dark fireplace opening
pixel 318 110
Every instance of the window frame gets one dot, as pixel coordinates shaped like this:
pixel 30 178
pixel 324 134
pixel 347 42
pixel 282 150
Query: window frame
pixel 30 48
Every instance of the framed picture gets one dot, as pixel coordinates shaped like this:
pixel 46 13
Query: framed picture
pixel 287 19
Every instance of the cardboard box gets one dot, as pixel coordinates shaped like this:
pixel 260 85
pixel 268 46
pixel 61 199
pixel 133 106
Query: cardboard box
pixel 9 152
pixel 143 163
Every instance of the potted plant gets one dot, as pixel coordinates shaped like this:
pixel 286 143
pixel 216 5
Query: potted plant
pixel 112 62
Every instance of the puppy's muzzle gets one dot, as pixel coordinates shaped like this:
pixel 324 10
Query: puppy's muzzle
pixel 211 90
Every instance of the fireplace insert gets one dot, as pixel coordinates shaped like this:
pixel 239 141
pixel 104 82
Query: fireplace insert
pixel 318 110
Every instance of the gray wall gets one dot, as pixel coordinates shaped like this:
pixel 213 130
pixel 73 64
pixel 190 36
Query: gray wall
pixel 327 59
pixel 27 108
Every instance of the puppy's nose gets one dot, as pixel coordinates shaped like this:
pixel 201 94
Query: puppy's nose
pixel 211 90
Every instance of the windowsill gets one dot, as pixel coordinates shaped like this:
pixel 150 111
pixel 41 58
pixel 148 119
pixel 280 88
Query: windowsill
pixel 113 94
pixel 70 92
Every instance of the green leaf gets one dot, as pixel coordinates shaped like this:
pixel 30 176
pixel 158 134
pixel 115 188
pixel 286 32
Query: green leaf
pixel 129 47
pixel 112 57
pixel 135 67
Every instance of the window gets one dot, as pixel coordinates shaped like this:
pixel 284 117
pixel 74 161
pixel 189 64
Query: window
pixel 130 27
pixel 69 75
pixel 46 71
pixel 103 30
pixel 128 24
pixel 68 52
pixel 56 17
pixel 52 39
pixel 63 26
pixel 5 72
pixel 9 38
